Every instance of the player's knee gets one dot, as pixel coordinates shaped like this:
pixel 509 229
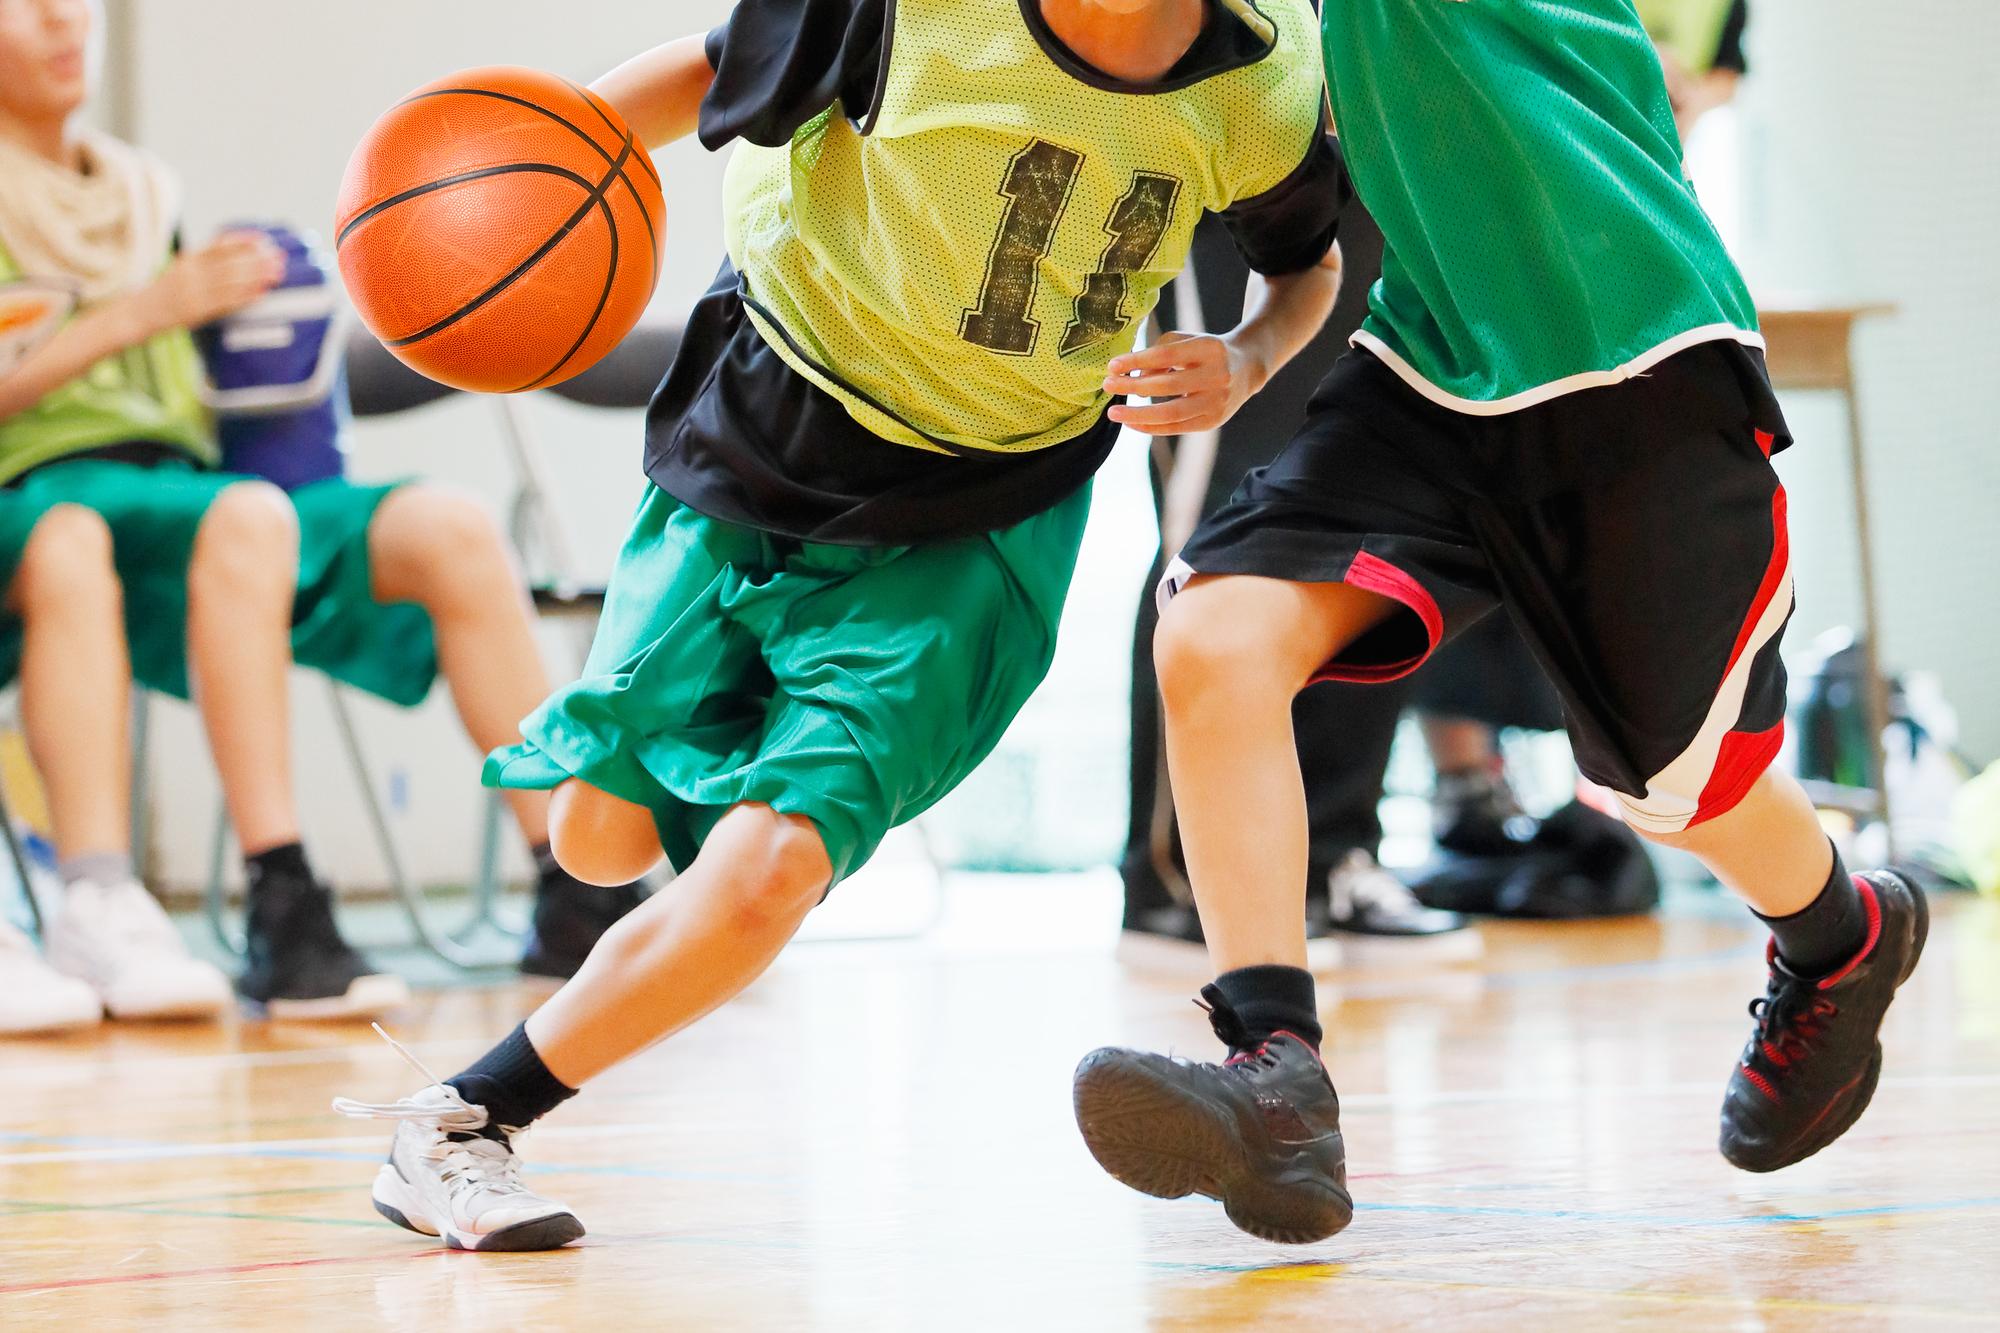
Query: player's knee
pixel 1199 651
pixel 449 533
pixel 248 537
pixel 784 871
pixel 66 563
pixel 600 838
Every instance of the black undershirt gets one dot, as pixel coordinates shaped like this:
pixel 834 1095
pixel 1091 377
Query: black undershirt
pixel 736 433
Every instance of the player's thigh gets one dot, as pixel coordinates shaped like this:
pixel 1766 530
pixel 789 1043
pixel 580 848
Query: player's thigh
pixel 1657 599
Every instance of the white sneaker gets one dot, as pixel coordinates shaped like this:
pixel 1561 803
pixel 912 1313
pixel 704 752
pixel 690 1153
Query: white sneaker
pixel 1380 922
pixel 444 1179
pixel 116 938
pixel 34 997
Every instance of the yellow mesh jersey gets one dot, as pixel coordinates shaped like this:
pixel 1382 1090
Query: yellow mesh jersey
pixel 959 269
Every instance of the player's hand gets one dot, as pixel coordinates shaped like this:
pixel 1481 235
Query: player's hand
pixel 213 280
pixel 1198 381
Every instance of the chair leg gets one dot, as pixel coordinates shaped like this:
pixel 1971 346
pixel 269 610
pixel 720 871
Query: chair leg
pixel 412 898
pixel 17 857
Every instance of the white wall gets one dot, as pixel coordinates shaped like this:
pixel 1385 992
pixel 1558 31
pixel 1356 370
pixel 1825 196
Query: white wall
pixel 1871 174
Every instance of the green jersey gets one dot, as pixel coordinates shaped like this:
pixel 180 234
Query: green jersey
pixel 958 267
pixel 147 392
pixel 1540 233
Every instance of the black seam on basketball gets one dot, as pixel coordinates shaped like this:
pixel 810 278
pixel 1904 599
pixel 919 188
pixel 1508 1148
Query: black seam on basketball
pixel 646 161
pixel 603 297
pixel 592 200
pixel 590 100
pixel 417 192
pixel 580 133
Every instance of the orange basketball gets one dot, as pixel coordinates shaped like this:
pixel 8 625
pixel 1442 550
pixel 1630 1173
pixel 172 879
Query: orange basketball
pixel 500 229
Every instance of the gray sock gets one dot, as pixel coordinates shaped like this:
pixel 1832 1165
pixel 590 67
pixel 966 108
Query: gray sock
pixel 97 867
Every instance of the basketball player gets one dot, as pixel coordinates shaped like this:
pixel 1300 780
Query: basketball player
pixel 870 468
pixel 1558 403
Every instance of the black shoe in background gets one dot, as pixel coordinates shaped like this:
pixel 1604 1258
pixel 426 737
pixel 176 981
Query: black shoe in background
pixel 1812 1063
pixel 296 964
pixel 1474 813
pixel 570 916
pixel 1260 1132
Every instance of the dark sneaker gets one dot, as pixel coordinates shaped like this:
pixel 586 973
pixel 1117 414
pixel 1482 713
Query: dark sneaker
pixel 1260 1132
pixel 570 917
pixel 1475 814
pixel 1379 920
pixel 297 965
pixel 1811 1065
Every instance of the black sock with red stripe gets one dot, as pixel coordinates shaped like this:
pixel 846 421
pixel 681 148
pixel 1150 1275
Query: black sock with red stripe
pixel 1271 999
pixel 1827 932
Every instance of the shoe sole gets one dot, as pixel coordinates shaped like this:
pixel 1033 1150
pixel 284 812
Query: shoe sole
pixel 395 1200
pixel 1828 1131
pixel 1386 952
pixel 1149 1135
pixel 365 997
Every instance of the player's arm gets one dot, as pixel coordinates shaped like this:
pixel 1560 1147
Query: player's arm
pixel 660 91
pixel 774 66
pixel 201 285
pixel 1199 381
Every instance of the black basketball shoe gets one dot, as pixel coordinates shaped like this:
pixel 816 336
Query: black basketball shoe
pixel 569 918
pixel 297 966
pixel 1812 1063
pixel 1260 1132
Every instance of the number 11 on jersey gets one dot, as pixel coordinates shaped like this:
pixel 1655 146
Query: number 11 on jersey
pixel 1040 179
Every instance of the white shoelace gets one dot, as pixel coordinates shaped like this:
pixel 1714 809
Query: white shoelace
pixel 482 1165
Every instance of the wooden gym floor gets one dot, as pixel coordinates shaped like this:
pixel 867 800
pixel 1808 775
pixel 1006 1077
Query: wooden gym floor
pixel 878 1137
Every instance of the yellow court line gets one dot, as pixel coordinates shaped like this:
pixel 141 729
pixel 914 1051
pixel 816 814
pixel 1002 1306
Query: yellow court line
pixel 1344 1273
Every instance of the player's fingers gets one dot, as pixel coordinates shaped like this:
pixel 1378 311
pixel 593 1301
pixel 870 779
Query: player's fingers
pixel 1173 349
pixel 1160 418
pixel 1174 382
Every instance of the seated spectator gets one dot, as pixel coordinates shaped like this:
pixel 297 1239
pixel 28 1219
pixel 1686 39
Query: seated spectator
pixel 226 580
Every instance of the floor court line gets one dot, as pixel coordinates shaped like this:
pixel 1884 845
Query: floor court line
pixel 1344 1273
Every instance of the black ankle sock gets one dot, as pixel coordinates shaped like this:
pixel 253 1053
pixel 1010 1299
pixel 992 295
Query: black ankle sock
pixel 513 1084
pixel 1827 932
pixel 285 861
pixel 1271 999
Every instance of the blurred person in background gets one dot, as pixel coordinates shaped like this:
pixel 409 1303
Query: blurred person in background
pixel 224 580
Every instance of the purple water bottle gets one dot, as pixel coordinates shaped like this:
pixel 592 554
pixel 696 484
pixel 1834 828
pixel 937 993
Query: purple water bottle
pixel 276 380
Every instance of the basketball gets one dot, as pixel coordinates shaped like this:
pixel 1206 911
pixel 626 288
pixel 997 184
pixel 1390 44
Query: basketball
pixel 500 230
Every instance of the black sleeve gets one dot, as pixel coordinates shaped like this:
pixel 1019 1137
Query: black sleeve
pixel 1729 51
pixel 1290 227
pixel 779 63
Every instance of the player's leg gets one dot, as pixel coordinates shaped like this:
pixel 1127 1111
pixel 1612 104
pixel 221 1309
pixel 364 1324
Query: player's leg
pixel 779 706
pixel 242 579
pixel 1659 610
pixel 1232 654
pixel 76 687
pixel 442 551
pixel 1343 561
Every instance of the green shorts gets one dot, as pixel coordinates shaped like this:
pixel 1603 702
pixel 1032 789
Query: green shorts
pixel 154 513
pixel 855 686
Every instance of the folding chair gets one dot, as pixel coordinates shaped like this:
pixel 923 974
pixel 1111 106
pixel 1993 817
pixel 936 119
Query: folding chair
pixel 379 385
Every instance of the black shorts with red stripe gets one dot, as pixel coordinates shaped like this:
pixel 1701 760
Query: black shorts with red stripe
pixel 1635 533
